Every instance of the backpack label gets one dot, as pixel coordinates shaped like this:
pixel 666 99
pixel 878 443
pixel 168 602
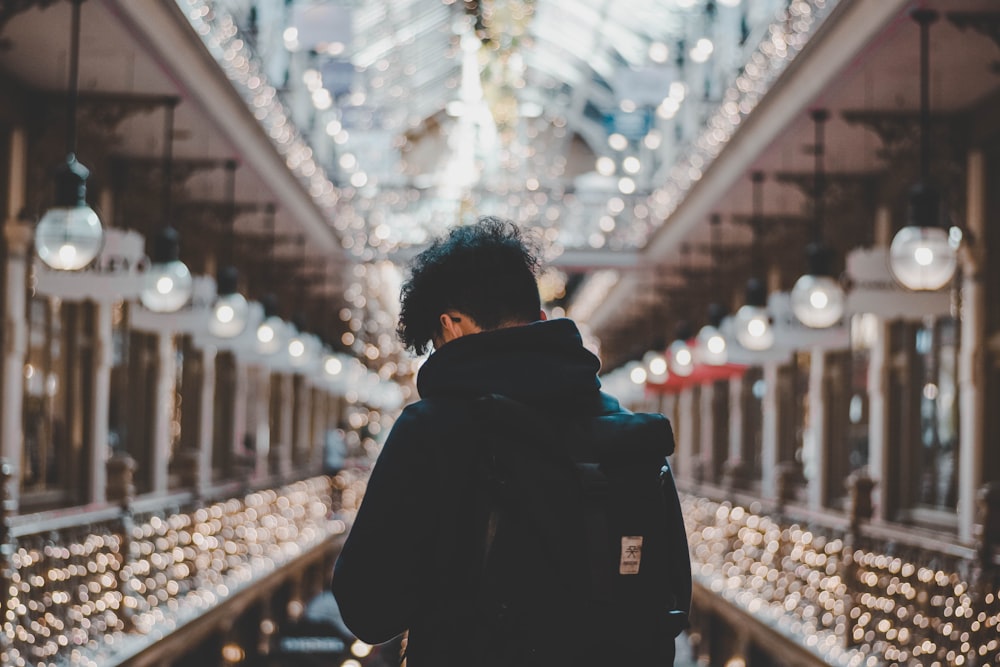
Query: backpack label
pixel 631 555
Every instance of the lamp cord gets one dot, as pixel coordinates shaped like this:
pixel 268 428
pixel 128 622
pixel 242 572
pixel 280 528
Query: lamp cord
pixel 925 20
pixel 74 78
pixel 820 117
pixel 757 178
pixel 168 159
pixel 230 209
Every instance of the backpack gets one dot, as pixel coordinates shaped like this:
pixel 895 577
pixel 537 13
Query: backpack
pixel 583 550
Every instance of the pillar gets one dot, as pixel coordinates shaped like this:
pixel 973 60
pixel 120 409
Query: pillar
pixel 971 372
pixel 735 468
pixel 100 400
pixel 301 429
pixel 878 416
pixel 282 404
pixel 320 410
pixel 687 431
pixel 769 455
pixel 162 403
pixel 197 417
pixel 713 429
pixel 816 452
pixel 18 237
pixel 260 418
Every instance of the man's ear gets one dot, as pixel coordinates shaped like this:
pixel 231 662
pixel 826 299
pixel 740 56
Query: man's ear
pixel 542 316
pixel 449 329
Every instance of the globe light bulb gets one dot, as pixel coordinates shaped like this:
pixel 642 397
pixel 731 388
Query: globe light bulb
pixel 655 365
pixel 710 346
pixel 166 287
pixel 681 358
pixel 923 258
pixel 817 301
pixel 68 238
pixel 229 316
pixel 753 328
pixel 638 375
pixel 332 365
pixel 270 335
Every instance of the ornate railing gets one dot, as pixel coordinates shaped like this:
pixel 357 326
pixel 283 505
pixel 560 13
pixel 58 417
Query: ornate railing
pixel 96 588
pixel 849 592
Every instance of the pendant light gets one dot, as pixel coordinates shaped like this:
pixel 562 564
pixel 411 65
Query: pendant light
pixel 230 311
pixel 710 344
pixel 922 256
pixel 69 235
pixel 680 354
pixel 167 285
pixel 298 345
pixel 817 298
pixel 655 363
pixel 270 332
pixel 752 321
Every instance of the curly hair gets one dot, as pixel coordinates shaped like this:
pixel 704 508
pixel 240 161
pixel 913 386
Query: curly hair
pixel 485 270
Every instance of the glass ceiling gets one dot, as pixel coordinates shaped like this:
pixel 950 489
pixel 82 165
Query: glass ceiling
pixel 585 119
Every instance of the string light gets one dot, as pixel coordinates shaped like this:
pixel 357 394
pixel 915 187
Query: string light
pixel 102 593
pixel 896 604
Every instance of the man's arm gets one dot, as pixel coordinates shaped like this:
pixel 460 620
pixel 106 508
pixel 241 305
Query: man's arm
pixel 376 574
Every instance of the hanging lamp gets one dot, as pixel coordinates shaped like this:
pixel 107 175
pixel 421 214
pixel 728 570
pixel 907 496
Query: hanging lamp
pixel 817 298
pixel 69 236
pixel 230 311
pixel 752 321
pixel 922 255
pixel 272 331
pixel 710 344
pixel 679 354
pixel 168 284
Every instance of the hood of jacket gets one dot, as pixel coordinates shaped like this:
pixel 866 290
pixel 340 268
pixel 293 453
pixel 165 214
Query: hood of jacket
pixel 542 364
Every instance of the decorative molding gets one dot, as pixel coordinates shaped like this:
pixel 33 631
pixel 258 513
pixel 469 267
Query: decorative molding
pixel 985 23
pixel 11 8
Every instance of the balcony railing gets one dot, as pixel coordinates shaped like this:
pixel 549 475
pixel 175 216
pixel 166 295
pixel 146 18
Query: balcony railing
pixel 845 590
pixel 98 587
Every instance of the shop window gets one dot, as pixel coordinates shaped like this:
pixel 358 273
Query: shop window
pixel 864 335
pixel 936 462
pixel 118 405
pixel 45 470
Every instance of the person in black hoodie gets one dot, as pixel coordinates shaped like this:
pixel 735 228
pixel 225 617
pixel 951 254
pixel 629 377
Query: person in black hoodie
pixel 410 559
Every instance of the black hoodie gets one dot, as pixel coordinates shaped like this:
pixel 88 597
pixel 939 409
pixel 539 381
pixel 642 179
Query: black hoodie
pixel 406 563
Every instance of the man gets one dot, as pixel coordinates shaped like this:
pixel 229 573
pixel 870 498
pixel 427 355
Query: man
pixel 413 558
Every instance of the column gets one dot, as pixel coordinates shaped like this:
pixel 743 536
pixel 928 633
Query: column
pixel 301 431
pixel 283 405
pixel 320 410
pixel 243 456
pixel 878 417
pixel 816 449
pixel 714 429
pixel 18 236
pixel 770 427
pixel 736 464
pixel 162 402
pixel 971 373
pixel 260 420
pixel 197 416
pixel 686 432
pixel 100 397
pixel 206 420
